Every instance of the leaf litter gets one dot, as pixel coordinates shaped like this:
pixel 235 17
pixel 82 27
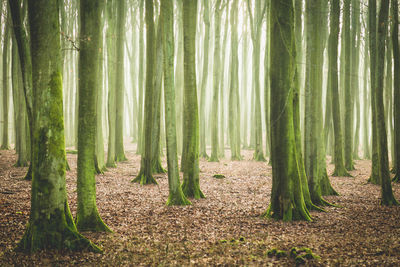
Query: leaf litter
pixel 225 228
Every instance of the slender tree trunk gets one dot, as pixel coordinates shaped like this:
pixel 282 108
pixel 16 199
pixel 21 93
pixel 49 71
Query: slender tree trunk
pixel 340 169
pixel 217 83
pixel 374 178
pixel 5 92
pixel 204 79
pixel 112 72
pixel 145 174
pixel 119 82
pixel 348 108
pixel 396 88
pixel 387 197
pixel 191 183
pixel 87 216
pixel 141 84
pixel 176 196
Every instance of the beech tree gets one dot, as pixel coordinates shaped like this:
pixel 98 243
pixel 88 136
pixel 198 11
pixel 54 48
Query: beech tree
pixel 287 201
pixel 190 165
pixel 50 223
pixel 88 217
pixel 176 196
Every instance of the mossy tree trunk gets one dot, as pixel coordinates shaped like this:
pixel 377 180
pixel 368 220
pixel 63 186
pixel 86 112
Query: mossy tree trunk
pixel 176 196
pixel 50 223
pixel 5 90
pixel 191 183
pixel 234 104
pixel 216 82
pixel 141 79
pixel 179 80
pixel 348 108
pixel 21 34
pixel 145 174
pixel 387 197
pixel 204 79
pixel 340 169
pixel 119 82
pixel 287 201
pixel 88 217
pixel 244 89
pixel 396 89
pixel 266 78
pixel 374 178
pixel 314 153
pixel 111 72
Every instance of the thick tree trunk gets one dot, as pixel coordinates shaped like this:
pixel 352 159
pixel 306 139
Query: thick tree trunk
pixel 141 79
pixel 287 201
pixel 50 224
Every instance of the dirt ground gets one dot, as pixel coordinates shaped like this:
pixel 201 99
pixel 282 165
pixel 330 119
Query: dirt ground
pixel 225 228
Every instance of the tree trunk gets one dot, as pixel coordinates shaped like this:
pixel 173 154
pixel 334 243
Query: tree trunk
pixel 396 89
pixel 5 91
pixel 374 178
pixel 176 196
pixel 216 80
pixel 340 169
pixel 51 225
pixel 191 183
pixel 387 197
pixel 287 202
pixel 119 82
pixel 145 174
pixel 87 216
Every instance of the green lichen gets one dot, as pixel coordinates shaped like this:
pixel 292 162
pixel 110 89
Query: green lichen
pixel 272 252
pixel 219 176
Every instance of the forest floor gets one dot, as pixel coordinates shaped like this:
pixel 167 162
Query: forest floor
pixel 225 228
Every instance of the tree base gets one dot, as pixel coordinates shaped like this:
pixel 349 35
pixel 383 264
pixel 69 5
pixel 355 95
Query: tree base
pixel 213 159
pixel 192 191
pixel 259 157
pixel 341 172
pixel 28 176
pixel 35 239
pixel 4 147
pixel 350 167
pixel 92 223
pixel 291 214
pixel 120 158
pixel 389 200
pixel 158 168
pixel 21 163
pixel 144 179
pixel 111 165
pixel 204 155
pixel 236 158
pixel 374 179
pixel 178 199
